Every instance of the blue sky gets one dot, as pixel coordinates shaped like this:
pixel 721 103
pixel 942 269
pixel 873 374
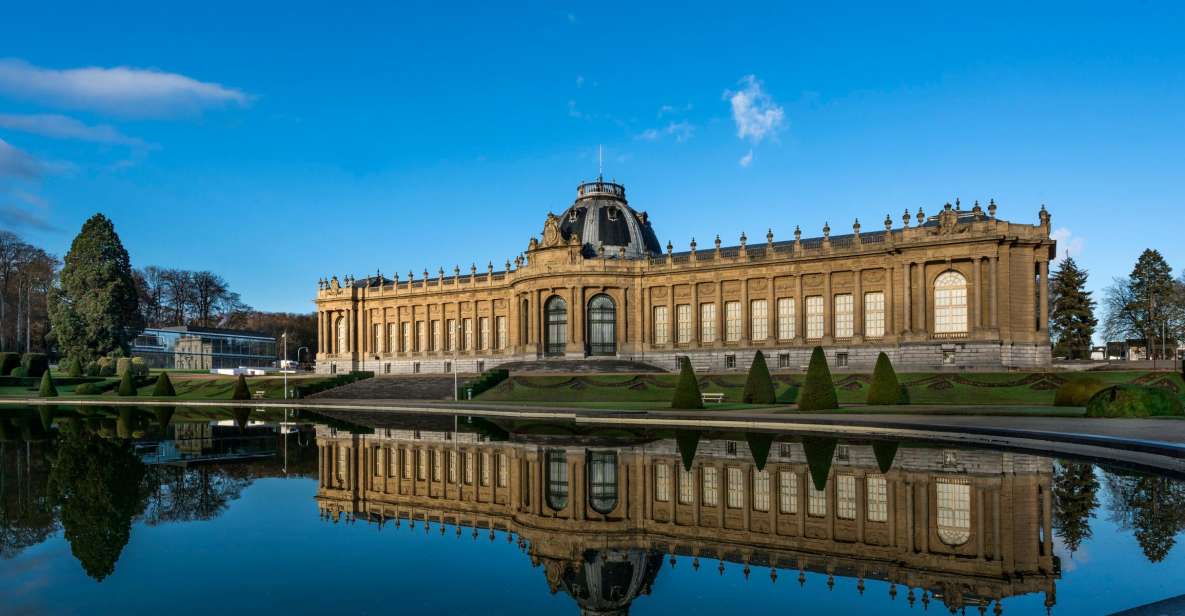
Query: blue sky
pixel 278 143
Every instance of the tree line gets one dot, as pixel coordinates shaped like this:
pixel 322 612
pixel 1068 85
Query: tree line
pixel 94 303
pixel 1147 305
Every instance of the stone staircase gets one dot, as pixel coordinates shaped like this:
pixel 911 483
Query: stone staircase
pixel 581 366
pixel 409 387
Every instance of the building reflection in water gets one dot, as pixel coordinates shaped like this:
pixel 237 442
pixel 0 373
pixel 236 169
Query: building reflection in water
pixel 967 528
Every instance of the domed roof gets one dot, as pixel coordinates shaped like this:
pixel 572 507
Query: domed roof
pixel 608 581
pixel 602 218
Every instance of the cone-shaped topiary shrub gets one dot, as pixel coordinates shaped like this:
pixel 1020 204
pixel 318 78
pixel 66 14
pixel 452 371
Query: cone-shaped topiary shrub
pixel 884 389
pixel 241 392
pixel 164 414
pixel 820 451
pixel 73 368
pixel 9 362
pixel 884 451
pixel 127 386
pixel 688 441
pixel 759 445
pixel 242 416
pixel 759 387
pixel 47 387
pixel 687 394
pixel 47 412
pixel 818 390
pixel 163 387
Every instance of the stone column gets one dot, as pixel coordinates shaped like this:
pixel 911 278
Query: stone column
pixel 907 296
pixel 924 300
pixel 1043 291
pixel 720 313
pixel 695 338
pixel 828 309
pixel 977 285
pixel 890 303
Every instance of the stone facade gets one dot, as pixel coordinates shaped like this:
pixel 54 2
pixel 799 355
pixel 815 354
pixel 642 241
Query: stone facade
pixel 960 290
pixel 972 527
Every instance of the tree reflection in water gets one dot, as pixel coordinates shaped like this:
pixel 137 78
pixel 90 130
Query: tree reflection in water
pixel 178 494
pixel 1075 490
pixel 1152 507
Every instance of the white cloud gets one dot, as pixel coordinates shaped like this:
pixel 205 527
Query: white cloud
pixel 573 111
pixel 1067 243
pixel 671 109
pixel 15 163
pixel 63 127
pixel 746 159
pixel 756 114
pixel 119 90
pixel 681 131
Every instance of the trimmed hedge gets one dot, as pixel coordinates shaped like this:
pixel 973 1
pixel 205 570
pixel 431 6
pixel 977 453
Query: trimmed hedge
pixel 687 395
pixel 1134 401
pixel 9 362
pixel 86 389
pixel 18 372
pixel 35 364
pixel 127 386
pixel 759 387
pixel 818 390
pixel 885 388
pixel 241 391
pixel 308 389
pixel 47 389
pixel 73 368
pixel 484 382
pixel 1077 392
pixel 164 387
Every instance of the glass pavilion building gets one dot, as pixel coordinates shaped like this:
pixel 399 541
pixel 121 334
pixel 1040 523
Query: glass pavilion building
pixel 204 348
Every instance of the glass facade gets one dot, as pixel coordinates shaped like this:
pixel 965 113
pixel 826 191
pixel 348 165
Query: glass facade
pixel 201 348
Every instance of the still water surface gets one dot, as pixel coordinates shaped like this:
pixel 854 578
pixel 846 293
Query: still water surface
pixel 192 511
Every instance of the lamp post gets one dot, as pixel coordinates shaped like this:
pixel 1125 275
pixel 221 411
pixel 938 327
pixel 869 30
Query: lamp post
pixel 283 369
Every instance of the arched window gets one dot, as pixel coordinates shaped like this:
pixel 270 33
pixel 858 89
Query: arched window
pixel 341 335
pixel 954 512
pixel 602 326
pixel 557 479
pixel 556 315
pixel 602 481
pixel 950 303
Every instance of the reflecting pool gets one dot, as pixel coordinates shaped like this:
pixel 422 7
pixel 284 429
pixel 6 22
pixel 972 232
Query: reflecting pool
pixel 136 510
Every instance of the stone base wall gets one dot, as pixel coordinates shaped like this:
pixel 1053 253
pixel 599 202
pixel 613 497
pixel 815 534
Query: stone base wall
pixel 907 357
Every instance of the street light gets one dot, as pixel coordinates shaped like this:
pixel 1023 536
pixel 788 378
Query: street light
pixel 282 366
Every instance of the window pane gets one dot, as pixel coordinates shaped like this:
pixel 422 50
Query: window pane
pixel 662 482
pixel 788 492
pixel 711 487
pixel 707 323
pixel 686 487
pixel 758 319
pixel 761 491
pixel 878 498
pixel 683 330
pixel 845 492
pixel 661 325
pixel 954 512
pixel 814 317
pixel 950 303
pixel 732 321
pixel 736 488
pixel 786 325
pixel 874 314
pixel 843 316
pixel 816 501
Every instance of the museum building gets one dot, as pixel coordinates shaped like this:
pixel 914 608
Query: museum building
pixel 960 290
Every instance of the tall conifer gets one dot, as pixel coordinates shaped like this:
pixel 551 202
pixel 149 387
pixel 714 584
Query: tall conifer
pixel 1071 314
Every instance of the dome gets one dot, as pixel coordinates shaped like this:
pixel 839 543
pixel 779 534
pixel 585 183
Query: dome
pixel 608 581
pixel 601 217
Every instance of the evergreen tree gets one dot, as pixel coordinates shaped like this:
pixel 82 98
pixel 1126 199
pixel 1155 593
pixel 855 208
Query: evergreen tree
pixel 885 388
pixel 818 390
pixel 1075 497
pixel 1139 306
pixel 759 387
pixel 163 387
pixel 1071 311
pixel 95 310
pixel 73 368
pixel 687 394
pixel 241 392
pixel 127 386
pixel 47 388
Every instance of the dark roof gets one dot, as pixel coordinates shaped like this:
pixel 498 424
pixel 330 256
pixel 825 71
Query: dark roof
pixel 613 228
pixel 193 329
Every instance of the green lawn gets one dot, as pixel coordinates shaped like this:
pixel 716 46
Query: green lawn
pixel 199 387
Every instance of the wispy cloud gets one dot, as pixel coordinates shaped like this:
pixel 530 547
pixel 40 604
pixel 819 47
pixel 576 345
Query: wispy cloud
pixel 673 109
pixel 681 131
pixel 746 159
pixel 1067 244
pixel 17 218
pixel 580 81
pixel 756 114
pixel 573 111
pixel 15 163
pixel 63 127
pixel 120 90
pixel 571 18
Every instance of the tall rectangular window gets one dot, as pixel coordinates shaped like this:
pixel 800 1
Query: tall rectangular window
pixel 878 498
pixel 483 333
pixel 845 497
pixel 392 462
pixel 683 323
pixel 844 316
pixel 662 482
pixel 450 334
pixel 787 492
pixel 761 491
pixel 378 337
pixel 686 487
pixel 435 343
pixel 874 314
pixel 406 327
pixel 485 468
pixel 707 323
pixel 662 327
pixel 467 464
pixel 420 336
pixel 407 462
pixel 816 500
pixel 711 486
pixel 466 334
pixel 503 478
pixel 758 319
pixel 786 324
pixel 502 334
pixel 437 465
pixel 814 317
pixel 452 466
pixel 736 488
pixel 392 341
pixel 732 321
pixel 421 464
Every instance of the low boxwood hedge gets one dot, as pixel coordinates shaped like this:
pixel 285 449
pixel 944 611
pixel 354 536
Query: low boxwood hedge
pixel 1077 392
pixel 308 389
pixel 483 383
pixel 1134 401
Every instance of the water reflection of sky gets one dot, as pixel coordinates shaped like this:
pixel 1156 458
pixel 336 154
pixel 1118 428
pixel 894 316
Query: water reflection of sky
pixel 268 548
